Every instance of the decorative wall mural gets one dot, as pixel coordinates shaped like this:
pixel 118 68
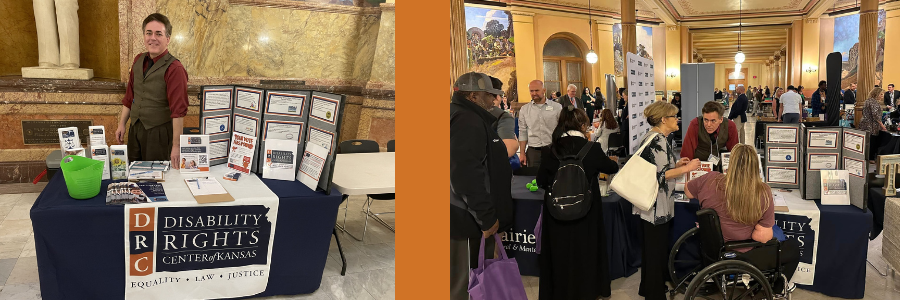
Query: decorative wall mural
pixel 846 41
pixel 644 45
pixel 490 43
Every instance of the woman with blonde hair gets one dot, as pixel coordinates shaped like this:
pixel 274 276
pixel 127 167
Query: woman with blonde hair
pixel 657 221
pixel 871 120
pixel 746 209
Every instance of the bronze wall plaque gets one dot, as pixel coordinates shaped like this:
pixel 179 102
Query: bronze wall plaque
pixel 42 132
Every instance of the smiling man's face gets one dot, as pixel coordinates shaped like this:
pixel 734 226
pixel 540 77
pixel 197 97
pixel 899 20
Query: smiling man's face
pixel 156 38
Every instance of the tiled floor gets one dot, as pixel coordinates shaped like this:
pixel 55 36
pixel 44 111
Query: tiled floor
pixel 370 264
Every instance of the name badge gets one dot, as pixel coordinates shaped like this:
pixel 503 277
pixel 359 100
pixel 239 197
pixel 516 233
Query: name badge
pixel 548 108
pixel 713 159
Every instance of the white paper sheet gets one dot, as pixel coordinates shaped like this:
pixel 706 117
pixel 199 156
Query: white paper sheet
pixel 311 165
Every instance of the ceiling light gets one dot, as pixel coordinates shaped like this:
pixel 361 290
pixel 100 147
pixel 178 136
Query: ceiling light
pixel 591 57
pixel 739 57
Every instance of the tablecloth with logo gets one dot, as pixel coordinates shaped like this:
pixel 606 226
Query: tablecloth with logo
pixel 79 243
pixel 840 244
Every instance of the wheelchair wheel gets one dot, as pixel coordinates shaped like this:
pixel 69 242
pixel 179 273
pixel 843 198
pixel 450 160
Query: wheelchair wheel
pixel 732 279
pixel 684 260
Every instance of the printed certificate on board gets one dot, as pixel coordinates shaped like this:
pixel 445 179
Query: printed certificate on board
pixel 248 99
pixel 245 124
pixel 219 99
pixel 854 167
pixel 218 149
pixel 781 175
pixel 854 142
pixel 788 154
pixel 822 139
pixel 822 161
pixel 320 137
pixel 215 125
pixel 281 159
pixel 324 109
pixel 312 164
pixel 285 104
pixel 781 135
pixel 283 130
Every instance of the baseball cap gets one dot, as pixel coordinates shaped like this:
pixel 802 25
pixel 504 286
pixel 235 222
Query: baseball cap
pixel 475 82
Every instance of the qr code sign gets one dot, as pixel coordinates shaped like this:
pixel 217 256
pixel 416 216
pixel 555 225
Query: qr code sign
pixel 202 159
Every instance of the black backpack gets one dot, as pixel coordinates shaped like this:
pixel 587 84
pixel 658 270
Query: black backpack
pixel 570 195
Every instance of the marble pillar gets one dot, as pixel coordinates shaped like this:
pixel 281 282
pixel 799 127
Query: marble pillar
pixel 868 29
pixel 57 30
pixel 629 33
pixel 458 55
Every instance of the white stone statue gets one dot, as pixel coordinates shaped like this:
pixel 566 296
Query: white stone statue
pixel 58 52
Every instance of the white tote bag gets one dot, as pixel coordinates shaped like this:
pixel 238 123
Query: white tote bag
pixel 636 181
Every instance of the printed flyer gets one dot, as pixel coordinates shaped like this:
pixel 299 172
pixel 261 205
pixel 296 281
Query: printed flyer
pixel 240 157
pixel 281 159
pixel 194 153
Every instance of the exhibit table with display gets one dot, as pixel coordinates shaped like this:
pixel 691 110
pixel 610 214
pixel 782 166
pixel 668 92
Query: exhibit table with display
pixel 623 231
pixel 839 244
pixel 79 243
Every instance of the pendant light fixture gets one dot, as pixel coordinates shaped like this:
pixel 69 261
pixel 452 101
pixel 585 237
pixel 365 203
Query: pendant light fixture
pixel 591 56
pixel 739 57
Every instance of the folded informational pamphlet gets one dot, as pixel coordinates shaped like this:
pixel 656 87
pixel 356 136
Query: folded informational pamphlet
pixel 97 135
pixel 68 139
pixel 125 193
pixel 118 161
pixel 154 191
pixel 101 153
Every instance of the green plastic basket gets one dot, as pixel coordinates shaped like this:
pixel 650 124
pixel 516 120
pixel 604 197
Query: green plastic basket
pixel 83 176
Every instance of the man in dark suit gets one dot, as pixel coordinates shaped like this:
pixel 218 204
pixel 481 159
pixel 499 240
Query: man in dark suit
pixel 850 94
pixel 891 97
pixel 571 98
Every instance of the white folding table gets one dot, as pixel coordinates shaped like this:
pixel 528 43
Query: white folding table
pixel 362 174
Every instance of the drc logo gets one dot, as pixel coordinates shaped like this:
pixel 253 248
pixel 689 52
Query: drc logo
pixel 142 221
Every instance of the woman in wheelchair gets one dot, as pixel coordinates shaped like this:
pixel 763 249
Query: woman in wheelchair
pixel 746 210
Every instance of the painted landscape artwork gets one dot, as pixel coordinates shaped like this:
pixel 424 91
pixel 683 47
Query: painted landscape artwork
pixel 846 41
pixel 490 46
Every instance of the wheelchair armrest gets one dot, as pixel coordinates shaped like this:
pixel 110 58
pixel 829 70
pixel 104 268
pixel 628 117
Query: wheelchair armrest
pixel 748 244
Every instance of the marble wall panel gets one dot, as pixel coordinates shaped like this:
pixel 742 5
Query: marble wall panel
pixel 19 45
pixel 368 39
pixel 383 64
pixel 373 121
pixel 98 37
pixel 215 39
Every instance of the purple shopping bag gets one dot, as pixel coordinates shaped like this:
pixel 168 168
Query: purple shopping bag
pixel 496 279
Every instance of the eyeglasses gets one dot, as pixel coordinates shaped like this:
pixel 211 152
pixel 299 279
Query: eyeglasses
pixel 674 116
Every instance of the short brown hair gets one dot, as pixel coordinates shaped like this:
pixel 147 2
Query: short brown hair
pixel 713 106
pixel 159 18
pixel 657 111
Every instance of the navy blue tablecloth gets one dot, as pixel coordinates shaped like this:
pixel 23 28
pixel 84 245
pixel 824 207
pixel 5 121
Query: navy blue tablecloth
pixel 843 243
pixel 80 244
pixel 623 235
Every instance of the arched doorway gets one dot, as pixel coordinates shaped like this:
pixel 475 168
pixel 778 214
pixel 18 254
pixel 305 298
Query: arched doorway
pixel 736 79
pixel 563 65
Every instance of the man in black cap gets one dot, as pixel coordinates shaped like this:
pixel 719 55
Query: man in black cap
pixel 480 178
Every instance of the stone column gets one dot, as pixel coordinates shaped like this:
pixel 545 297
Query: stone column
pixel 458 55
pixel 778 73
pixel 629 35
pixel 868 29
pixel 526 59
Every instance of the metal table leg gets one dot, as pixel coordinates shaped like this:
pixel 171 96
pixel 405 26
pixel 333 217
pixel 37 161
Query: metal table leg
pixel 342 227
pixel 340 250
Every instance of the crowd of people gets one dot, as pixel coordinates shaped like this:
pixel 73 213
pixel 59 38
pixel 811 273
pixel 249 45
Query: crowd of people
pixel 573 259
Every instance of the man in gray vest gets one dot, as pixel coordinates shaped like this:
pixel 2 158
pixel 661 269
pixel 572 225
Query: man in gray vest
pixel 156 97
pixel 717 135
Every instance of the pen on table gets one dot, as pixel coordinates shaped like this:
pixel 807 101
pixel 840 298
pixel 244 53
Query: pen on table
pixel 142 173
